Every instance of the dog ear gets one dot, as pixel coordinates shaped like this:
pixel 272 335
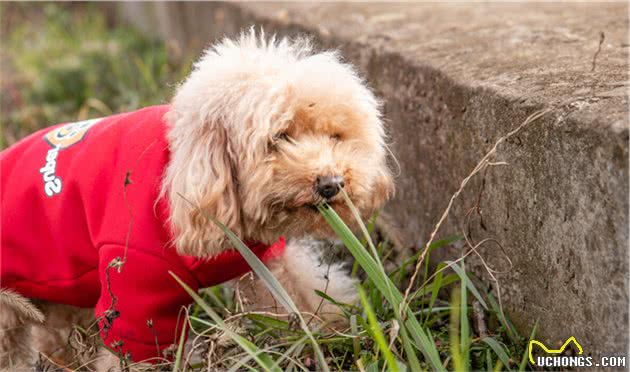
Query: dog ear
pixel 200 182
pixel 383 188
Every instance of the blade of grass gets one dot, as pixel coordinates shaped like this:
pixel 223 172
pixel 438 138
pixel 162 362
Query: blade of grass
pixel 326 297
pixel 180 349
pixel 356 249
pixel 524 359
pixel 435 309
pixel 435 245
pixel 356 347
pixel 270 282
pixel 464 326
pixel 290 350
pixel 294 347
pixel 469 284
pixel 488 360
pixel 370 227
pixel 454 333
pixel 511 330
pixel 437 285
pixel 366 234
pixel 498 366
pixel 401 366
pixel 372 367
pixel 389 291
pixel 213 296
pixel 498 349
pixel 269 322
pixel 196 320
pixel 446 280
pixel 275 287
pixel 262 359
pixel 375 330
pixel 367 238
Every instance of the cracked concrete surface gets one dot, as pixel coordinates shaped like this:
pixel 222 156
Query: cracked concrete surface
pixel 456 77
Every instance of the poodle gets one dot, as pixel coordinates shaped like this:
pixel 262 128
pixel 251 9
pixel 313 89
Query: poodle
pixel 99 216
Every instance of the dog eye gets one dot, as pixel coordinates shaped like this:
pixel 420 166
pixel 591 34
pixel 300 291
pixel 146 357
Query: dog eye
pixel 284 136
pixel 336 137
pixel 273 144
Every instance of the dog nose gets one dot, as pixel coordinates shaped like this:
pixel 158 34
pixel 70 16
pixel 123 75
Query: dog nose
pixel 329 186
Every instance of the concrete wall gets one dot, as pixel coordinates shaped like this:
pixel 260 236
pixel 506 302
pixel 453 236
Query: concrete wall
pixel 454 79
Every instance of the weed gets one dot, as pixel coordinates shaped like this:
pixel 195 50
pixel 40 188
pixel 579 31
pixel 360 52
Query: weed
pixel 71 66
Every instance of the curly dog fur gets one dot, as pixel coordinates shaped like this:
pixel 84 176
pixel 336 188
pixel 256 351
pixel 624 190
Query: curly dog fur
pixel 253 129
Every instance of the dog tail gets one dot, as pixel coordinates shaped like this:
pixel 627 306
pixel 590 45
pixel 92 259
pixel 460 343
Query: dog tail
pixel 20 304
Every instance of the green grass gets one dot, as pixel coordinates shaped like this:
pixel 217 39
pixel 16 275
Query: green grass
pixel 63 63
pixel 67 64
pixel 432 333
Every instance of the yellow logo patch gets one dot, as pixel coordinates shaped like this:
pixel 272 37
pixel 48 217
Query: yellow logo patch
pixel 59 139
pixel 69 134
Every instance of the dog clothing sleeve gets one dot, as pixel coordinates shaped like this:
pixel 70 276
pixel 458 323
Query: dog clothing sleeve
pixel 230 264
pixel 87 190
pixel 140 309
pixel 140 305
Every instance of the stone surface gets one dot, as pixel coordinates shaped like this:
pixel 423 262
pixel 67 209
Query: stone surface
pixel 454 78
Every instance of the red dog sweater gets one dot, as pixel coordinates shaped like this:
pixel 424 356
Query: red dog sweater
pixel 80 198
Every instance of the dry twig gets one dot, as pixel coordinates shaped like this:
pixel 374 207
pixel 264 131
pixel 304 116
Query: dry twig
pixel 481 165
pixel 602 36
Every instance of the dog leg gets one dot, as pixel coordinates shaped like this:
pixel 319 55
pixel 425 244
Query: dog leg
pixel 59 341
pixel 53 338
pixel 16 316
pixel 106 361
pixel 14 353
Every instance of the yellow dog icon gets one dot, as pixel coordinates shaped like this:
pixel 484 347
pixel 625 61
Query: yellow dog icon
pixel 553 351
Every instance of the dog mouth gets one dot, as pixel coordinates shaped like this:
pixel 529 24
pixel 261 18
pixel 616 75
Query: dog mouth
pixel 335 204
pixel 313 205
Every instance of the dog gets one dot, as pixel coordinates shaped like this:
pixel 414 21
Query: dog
pixel 100 216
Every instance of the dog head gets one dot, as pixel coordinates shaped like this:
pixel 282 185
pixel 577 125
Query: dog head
pixel 263 131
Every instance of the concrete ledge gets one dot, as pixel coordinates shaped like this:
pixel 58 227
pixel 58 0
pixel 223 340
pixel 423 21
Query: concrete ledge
pixel 454 79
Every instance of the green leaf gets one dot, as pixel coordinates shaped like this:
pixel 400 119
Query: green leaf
pixel 446 280
pixel 436 244
pixel 505 322
pixel 498 349
pixel 454 333
pixel 469 284
pixel 437 285
pixel 262 359
pixel 488 360
pixel 276 289
pixel 269 322
pixel 375 330
pixel 525 358
pixel 464 326
pixel 327 297
pixel 290 350
pixel 356 347
pixel 180 349
pixel 388 290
